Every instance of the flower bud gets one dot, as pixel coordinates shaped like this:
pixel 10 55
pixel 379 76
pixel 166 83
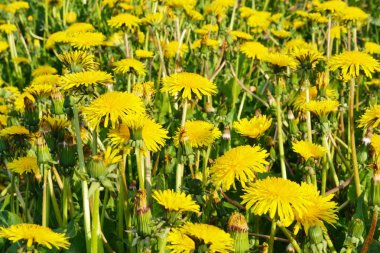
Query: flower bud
pixel 57 102
pixel 31 115
pixel 238 228
pixel 143 213
pixel 43 152
pixel 96 167
pixel 374 199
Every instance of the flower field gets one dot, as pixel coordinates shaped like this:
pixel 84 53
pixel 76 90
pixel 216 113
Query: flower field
pixel 186 126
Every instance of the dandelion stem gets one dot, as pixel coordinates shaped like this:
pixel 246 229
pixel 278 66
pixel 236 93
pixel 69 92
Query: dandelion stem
pixel 279 129
pixel 291 239
pixel 180 166
pixel 308 116
pixel 352 137
pixel 96 243
pixel 140 167
pixel 66 186
pixel 272 234
pixel 45 198
pixel 371 231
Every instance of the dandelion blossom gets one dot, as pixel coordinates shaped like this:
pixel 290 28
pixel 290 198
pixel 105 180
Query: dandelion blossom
pixel 144 53
pixel 240 163
pixel 85 79
pixel 112 107
pixel 202 235
pixel 78 61
pixel 13 130
pixel 254 50
pixel 254 127
pixel 280 61
pixel 375 143
pixel 189 84
pixel 124 20
pixel 24 165
pixel 171 48
pixel 197 134
pixel 44 70
pixel 8 28
pixel 35 234
pixel 175 201
pixel 130 66
pixel 372 48
pixel 371 117
pixel 351 63
pixel 307 149
pixel 277 197
pixel 86 40
pixel 322 108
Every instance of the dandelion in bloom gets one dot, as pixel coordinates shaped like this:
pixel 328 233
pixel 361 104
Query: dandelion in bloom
pixel 214 238
pixel 14 131
pixel 23 165
pixel 34 234
pixel 124 20
pixel 8 28
pixel 197 134
pixel 280 61
pixel 253 128
pixel 241 164
pixel 322 108
pixel 143 54
pixel 189 84
pixel 375 143
pixel 171 48
pixel 130 66
pixel 307 149
pixel 372 48
pixel 279 198
pixel 254 50
pixel 44 70
pixel 85 79
pixel 371 117
pixel 112 107
pixel 78 61
pixel 173 201
pixel 352 63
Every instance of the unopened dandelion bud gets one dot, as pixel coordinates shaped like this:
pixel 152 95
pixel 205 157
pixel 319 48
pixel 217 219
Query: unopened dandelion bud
pixel 96 167
pixel 375 196
pixel 57 102
pixel 43 152
pixel 293 123
pixel 316 234
pixel 68 156
pixel 31 115
pixel 226 133
pixel 70 17
pixel 143 213
pixel 356 229
pixel 209 108
pixel 238 228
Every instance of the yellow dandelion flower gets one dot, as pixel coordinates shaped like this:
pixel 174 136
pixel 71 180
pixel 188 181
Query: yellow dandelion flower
pixel 280 61
pixel 87 78
pixel 307 57
pixel 317 17
pixel 239 163
pixel 171 48
pixel 185 4
pixel 319 210
pixel 259 21
pixel 207 29
pixel 205 42
pixel 371 117
pixel 153 18
pixel 70 17
pixel 15 6
pixel 246 12
pixel 374 81
pixel 152 133
pixel 194 15
pixel 8 28
pixel 180 242
pixel 332 6
pixel 296 43
pixel 44 70
pixel 124 20
pixel 112 106
pixel 254 50
pixel 253 128
pixel 205 235
pixel 372 48
pixel 78 61
pixel 80 28
pixel 126 6
pixel 241 35
pixel 189 84
pixel 375 143
pixel 197 134
pixel 300 102
pixel 173 201
pixel 219 7
pixel 353 14
pixel 120 136
pixel 86 40
pixel 282 34
pixel 23 165
pixel 130 66
pixel 14 130
pixel 56 123
pixel 58 37
pixel 116 39
pixel 3 46
pixel 3 120
pixel 307 149
pixel 144 54
pixel 322 108
pixel 111 156
pixel 46 80
pixel 276 17
pixel 351 63
pixel 19 101
pixel 35 234
pixel 277 197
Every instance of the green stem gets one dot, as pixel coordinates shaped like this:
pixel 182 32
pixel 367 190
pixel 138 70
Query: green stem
pixel 206 155
pixel 96 244
pixel 371 231
pixel 352 137
pixel 66 186
pixel 279 129
pixel 329 242
pixel 291 239
pixel 140 167
pixel 82 168
pixel 330 160
pixel 308 116
pixel 54 200
pixel 241 105
pixel 324 176
pixel 272 234
pixel 180 165
pixel 45 197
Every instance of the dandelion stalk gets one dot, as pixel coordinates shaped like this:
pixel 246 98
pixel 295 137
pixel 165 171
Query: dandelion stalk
pixel 206 155
pixel 272 234
pixel 308 115
pixel 291 239
pixel 65 200
pixel 96 243
pixel 82 168
pixel 140 167
pixel 45 197
pixel 279 128
pixel 371 231
pixel 180 166
pixel 352 137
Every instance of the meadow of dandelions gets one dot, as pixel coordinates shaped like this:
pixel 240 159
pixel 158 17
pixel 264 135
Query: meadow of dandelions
pixel 189 126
